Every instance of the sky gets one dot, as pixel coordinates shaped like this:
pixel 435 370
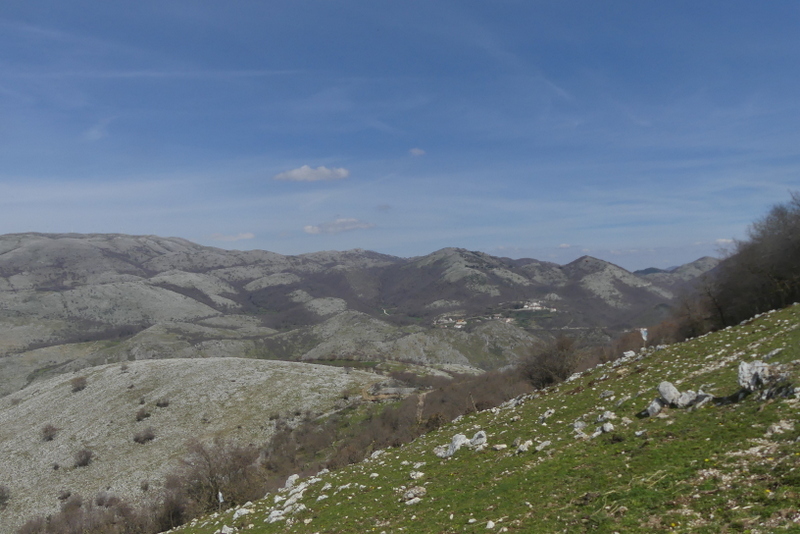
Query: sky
pixel 643 133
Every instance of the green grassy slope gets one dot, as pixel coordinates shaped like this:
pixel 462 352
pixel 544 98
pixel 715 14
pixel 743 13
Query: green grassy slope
pixel 719 468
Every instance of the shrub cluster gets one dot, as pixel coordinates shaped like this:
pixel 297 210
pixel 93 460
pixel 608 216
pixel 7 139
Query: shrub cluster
pixel 78 383
pixel 49 432
pixel 760 274
pixel 83 457
pixel 5 496
pixel 143 436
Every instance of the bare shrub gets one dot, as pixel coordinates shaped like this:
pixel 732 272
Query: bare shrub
pixel 172 510
pixel 106 500
pixel 223 467
pixel 143 436
pixel 142 414
pixel 78 383
pixel 49 432
pixel 551 362
pixel 83 457
pixel 5 495
pixel 105 515
pixel 162 402
pixel 36 525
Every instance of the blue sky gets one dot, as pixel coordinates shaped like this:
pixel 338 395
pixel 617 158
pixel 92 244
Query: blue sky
pixel 643 133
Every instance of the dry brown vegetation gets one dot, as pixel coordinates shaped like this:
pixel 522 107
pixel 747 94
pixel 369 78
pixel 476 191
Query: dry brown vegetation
pixel 78 383
pixel 760 274
pixel 49 432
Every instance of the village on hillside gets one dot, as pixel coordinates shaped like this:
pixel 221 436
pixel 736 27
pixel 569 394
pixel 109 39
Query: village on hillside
pixel 459 321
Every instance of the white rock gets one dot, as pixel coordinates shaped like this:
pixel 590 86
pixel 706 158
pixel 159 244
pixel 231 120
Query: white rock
pixel 416 475
pixel 458 441
pixel 290 482
pixel 756 374
pixel 543 445
pixel 478 439
pixel 669 393
pixel 240 512
pixel 523 447
pixel 489 525
pixel 687 398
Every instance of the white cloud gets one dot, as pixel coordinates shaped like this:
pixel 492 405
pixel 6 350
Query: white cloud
pixel 99 130
pixel 308 174
pixel 724 241
pixel 416 152
pixel 337 226
pixel 564 245
pixel 237 237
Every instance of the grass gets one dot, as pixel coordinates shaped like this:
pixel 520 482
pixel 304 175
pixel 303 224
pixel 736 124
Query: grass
pixel 718 469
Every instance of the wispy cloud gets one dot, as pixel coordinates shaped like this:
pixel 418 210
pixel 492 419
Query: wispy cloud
pixel 99 130
pixel 230 238
pixel 416 152
pixel 337 226
pixel 308 174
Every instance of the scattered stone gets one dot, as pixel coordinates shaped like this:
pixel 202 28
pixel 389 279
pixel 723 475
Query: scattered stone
pixel 546 415
pixel 653 409
pixel 606 416
pixel 478 439
pixel 414 495
pixel 416 475
pixel 489 524
pixel 291 481
pixel 446 452
pixel 240 512
pixel 523 447
pixel 758 375
pixel 779 428
pixel 500 446
pixel 543 445
pixel 686 399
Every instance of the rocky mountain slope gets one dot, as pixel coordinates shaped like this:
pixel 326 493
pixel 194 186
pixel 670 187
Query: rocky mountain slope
pixel 43 427
pixel 717 452
pixel 68 301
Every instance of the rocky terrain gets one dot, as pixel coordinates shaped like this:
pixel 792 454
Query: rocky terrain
pixel 699 436
pixel 166 403
pixel 70 301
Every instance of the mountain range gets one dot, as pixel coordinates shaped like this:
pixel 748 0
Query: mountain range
pixel 69 301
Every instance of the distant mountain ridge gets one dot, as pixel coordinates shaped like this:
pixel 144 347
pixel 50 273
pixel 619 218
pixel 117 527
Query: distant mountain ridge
pixel 72 300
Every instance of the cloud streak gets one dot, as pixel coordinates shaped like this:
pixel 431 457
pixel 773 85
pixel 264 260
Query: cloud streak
pixel 337 226
pixel 232 238
pixel 309 174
